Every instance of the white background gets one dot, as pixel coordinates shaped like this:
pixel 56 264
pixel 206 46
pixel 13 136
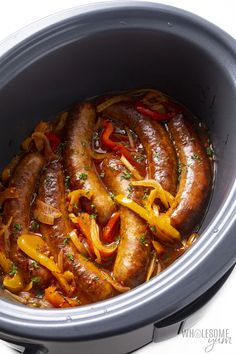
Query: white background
pixel 221 313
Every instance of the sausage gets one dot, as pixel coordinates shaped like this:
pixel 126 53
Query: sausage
pixel 90 280
pixel 133 253
pixel 79 163
pixel 24 179
pixel 195 177
pixel 161 155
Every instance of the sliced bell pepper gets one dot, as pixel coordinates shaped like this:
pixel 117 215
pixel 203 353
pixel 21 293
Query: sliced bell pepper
pixel 58 300
pixel 117 147
pixel 162 222
pixel 155 115
pixel 13 284
pixel 108 230
pixel 32 245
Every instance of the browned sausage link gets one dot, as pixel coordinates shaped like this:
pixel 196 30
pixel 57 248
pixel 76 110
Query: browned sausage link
pixel 24 179
pixel 195 178
pixel 90 281
pixel 78 161
pixel 161 155
pixel 132 258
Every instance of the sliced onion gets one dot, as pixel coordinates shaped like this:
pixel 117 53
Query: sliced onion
pixel 131 140
pixel 151 267
pixel 46 213
pixel 77 243
pixel 115 99
pixel 66 287
pixel 114 283
pixel 99 156
pixel 131 168
pixel 95 237
pixel 25 145
pixel 61 121
pixel 60 260
pixel 42 142
pixel 158 247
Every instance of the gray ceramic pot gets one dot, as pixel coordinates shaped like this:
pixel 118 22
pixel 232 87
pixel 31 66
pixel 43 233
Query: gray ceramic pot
pixel 91 50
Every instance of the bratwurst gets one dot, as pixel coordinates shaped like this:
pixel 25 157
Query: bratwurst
pixel 89 280
pixel 161 155
pixel 130 267
pixel 79 163
pixel 195 176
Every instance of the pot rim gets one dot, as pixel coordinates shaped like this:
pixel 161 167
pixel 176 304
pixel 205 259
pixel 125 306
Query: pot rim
pixel 188 275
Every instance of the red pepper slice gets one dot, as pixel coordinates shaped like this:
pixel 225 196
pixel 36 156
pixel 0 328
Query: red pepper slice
pixel 109 229
pixel 143 109
pixel 105 137
pixel 54 140
pixel 118 148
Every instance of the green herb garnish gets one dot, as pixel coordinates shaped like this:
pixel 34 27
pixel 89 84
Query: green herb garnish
pixel 139 158
pixel 67 182
pixel 143 240
pixel 70 256
pixel 209 151
pixel 83 176
pixel 35 265
pixel 17 228
pixel 66 240
pixel 34 225
pixel 35 280
pixel 13 270
pixel 126 175
pixel 93 216
pixel 195 157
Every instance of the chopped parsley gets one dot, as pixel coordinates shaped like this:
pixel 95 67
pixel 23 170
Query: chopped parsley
pixel 195 157
pixel 13 270
pixel 35 280
pixel 209 151
pixel 145 195
pixel 34 225
pixel 126 175
pixel 95 136
pixel 83 176
pixel 153 228
pixel 70 256
pixel 66 240
pixel 96 278
pixel 67 182
pixel 17 228
pixel 93 216
pixel 139 158
pixel 143 240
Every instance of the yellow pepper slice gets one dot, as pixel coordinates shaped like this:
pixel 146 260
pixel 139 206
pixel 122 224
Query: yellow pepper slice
pixel 32 245
pixel 161 222
pixel 13 284
pixel 5 263
pixel 165 197
pixel 76 195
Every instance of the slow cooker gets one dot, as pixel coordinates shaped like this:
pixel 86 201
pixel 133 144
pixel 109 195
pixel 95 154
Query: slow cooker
pixel 91 50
